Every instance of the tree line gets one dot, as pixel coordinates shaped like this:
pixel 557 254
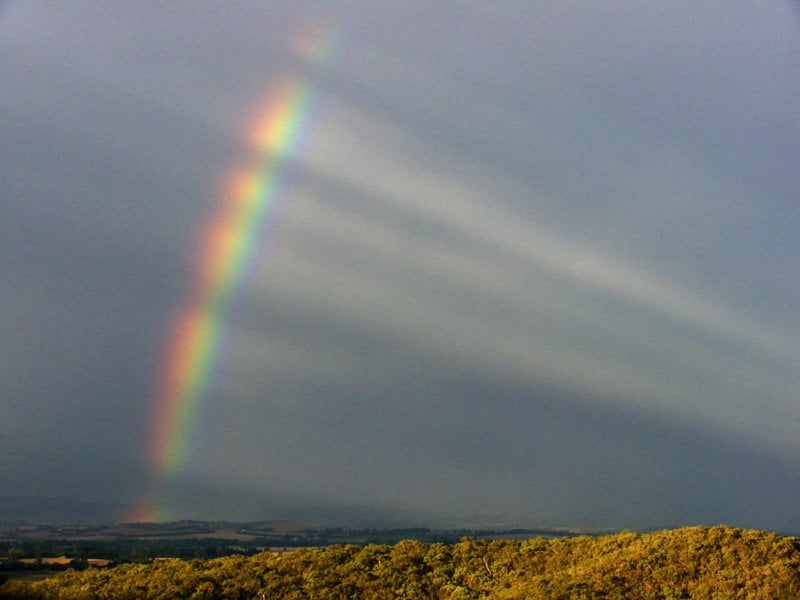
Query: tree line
pixel 696 562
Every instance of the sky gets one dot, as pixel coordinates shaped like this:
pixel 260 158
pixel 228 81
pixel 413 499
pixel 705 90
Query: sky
pixel 423 263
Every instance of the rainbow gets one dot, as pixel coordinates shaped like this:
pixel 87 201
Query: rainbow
pixel 227 245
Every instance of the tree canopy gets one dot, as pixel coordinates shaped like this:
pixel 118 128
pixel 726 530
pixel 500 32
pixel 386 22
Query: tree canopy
pixel 696 562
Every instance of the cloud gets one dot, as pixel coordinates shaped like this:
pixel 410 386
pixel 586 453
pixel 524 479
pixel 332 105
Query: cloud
pixel 531 262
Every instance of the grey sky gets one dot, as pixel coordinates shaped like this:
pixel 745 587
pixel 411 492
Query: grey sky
pixel 533 263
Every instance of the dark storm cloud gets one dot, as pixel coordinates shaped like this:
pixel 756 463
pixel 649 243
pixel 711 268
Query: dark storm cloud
pixel 536 455
pixel 534 264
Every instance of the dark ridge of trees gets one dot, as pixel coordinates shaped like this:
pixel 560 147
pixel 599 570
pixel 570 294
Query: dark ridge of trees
pixel 695 562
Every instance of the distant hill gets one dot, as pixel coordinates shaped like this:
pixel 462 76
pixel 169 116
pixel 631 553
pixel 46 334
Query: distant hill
pixel 695 562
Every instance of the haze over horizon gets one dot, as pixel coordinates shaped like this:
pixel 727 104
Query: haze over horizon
pixel 531 263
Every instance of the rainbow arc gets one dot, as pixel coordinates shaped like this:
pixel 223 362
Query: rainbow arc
pixel 227 245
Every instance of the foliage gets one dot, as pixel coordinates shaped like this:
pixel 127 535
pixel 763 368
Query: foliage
pixel 697 562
